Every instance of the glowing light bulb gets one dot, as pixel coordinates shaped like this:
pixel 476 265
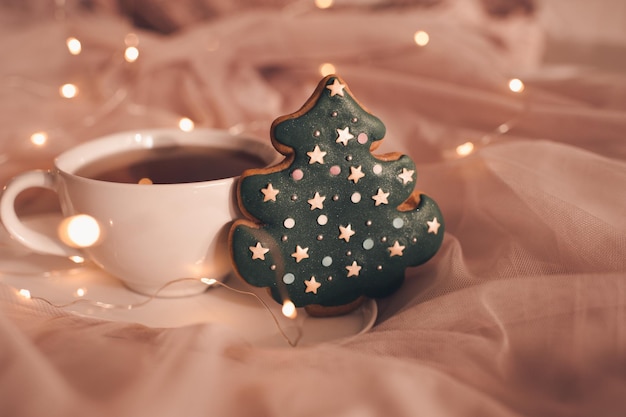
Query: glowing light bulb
pixel 421 38
pixel 208 281
pixel 77 259
pixel 503 128
pixel 24 293
pixel 516 85
pixel 465 149
pixel 73 45
pixel 39 138
pixel 327 69
pixel 80 231
pixel 131 54
pixel 289 310
pixel 186 124
pixel 323 4
pixel 68 90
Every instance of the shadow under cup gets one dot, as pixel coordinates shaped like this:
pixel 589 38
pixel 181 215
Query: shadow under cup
pixel 163 200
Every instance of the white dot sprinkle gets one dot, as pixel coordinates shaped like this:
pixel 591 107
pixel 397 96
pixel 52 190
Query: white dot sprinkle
pixel 322 219
pixel 289 223
pixel 356 197
pixel 377 169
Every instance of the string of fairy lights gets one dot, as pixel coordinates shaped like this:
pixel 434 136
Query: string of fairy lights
pixel 82 231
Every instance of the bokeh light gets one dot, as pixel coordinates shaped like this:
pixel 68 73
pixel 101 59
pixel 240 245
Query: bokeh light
pixel 421 38
pixel 323 4
pixel 79 231
pixel 68 90
pixel 465 149
pixel 39 138
pixel 186 124
pixel 73 45
pixel 131 54
pixel 289 310
pixel 327 68
pixel 516 85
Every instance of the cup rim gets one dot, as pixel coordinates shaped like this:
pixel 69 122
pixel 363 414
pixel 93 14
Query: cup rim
pixel 69 161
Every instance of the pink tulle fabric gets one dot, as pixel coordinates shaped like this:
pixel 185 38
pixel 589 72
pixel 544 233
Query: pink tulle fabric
pixel 521 313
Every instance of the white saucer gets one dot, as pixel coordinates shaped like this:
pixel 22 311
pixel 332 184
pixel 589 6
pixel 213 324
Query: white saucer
pixel 60 281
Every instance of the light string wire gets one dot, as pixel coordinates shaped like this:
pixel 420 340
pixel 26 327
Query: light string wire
pixel 149 298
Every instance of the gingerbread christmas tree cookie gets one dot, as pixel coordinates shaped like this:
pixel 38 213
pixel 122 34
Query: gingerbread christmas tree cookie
pixel 332 223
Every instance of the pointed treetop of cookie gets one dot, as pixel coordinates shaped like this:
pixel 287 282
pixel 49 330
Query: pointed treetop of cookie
pixel 332 98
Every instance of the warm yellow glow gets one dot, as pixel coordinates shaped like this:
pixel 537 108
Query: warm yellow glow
pixel 323 4
pixel 80 231
pixel 208 281
pixel 465 149
pixel 516 85
pixel 289 310
pixel 24 293
pixel 131 54
pixel 73 45
pixel 131 39
pixel 327 69
pixel 80 292
pixel 186 124
pixel 39 138
pixel 77 259
pixel 68 90
pixel 421 38
pixel 145 181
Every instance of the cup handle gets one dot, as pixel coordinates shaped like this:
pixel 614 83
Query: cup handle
pixel 29 237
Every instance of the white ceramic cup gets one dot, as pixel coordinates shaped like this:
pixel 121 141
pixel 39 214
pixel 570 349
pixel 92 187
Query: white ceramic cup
pixel 149 235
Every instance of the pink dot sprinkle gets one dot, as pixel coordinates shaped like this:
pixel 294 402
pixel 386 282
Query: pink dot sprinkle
pixel 335 170
pixel 297 174
pixel 362 138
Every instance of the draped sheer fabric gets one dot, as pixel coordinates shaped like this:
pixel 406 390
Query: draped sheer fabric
pixel 523 310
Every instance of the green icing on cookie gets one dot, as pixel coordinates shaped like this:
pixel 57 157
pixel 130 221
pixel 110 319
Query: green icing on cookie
pixel 333 222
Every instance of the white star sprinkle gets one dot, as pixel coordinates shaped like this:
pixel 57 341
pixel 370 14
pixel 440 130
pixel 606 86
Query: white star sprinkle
pixel 346 232
pixel 300 253
pixel 336 88
pixel 258 251
pixel 380 197
pixel 356 174
pixel 312 285
pixel 344 136
pixel 269 193
pixel 316 155
pixel 396 249
pixel 406 176
pixel 354 269
pixel 317 202
pixel 433 226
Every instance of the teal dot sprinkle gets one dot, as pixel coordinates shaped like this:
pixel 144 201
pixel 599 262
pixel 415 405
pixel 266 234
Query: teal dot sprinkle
pixel 398 223
pixel 368 244
pixel 289 278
